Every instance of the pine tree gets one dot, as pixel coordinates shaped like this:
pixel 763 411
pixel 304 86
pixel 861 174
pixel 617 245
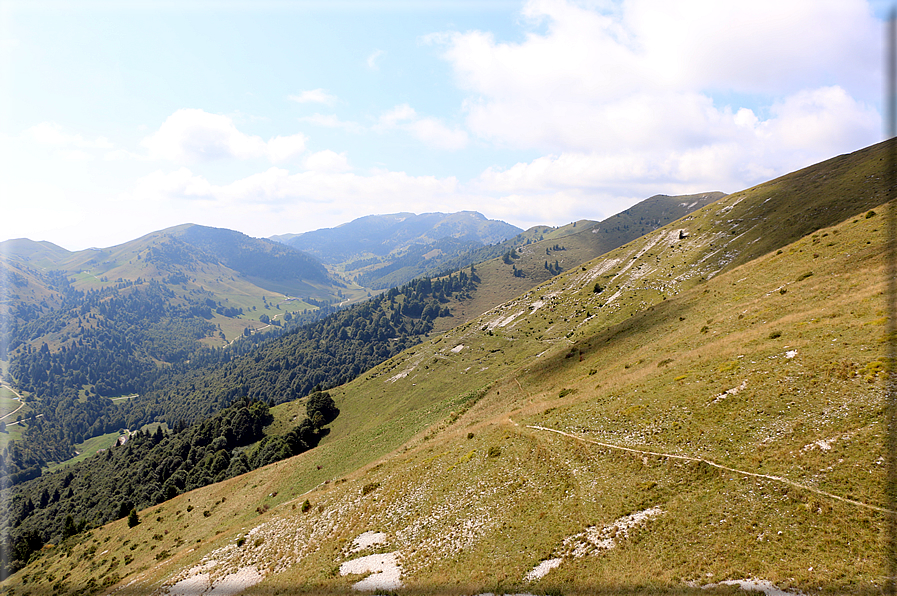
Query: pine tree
pixel 133 520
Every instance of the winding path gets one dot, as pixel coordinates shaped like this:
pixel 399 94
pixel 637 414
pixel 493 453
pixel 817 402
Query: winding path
pixel 719 466
pixel 22 405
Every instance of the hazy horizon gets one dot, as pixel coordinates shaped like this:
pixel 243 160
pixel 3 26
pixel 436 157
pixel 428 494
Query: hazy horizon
pixel 286 117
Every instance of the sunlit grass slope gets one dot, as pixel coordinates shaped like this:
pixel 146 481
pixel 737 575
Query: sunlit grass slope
pixel 759 351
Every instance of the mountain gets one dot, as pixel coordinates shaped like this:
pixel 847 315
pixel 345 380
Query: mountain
pixel 380 235
pixel 88 326
pixel 385 251
pixel 144 336
pixel 701 405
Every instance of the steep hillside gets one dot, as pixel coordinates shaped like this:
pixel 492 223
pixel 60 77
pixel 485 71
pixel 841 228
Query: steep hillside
pixel 701 405
pixel 540 253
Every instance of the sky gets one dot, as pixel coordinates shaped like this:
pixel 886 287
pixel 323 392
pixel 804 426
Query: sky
pixel 119 118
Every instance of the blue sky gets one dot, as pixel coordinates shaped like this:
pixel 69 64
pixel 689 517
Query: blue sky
pixel 121 118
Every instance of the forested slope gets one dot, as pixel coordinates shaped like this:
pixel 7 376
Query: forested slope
pixel 149 469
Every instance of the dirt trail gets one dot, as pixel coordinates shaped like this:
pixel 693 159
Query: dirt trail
pixel 719 466
pixel 22 405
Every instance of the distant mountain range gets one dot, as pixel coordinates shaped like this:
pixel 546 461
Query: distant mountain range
pixel 385 235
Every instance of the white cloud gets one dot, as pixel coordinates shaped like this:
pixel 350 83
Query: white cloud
pixel 314 96
pixel 327 161
pixel 651 96
pixel 826 119
pixel 432 132
pixel 372 59
pixel 281 149
pixel 429 131
pixel 400 113
pixel 191 135
pixel 324 196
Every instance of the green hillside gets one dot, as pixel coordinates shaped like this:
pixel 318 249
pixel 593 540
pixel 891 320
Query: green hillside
pixel 542 252
pixel 703 404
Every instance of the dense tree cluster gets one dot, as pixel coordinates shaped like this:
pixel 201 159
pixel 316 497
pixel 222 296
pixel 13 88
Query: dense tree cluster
pixel 150 468
pixel 330 351
pixel 107 342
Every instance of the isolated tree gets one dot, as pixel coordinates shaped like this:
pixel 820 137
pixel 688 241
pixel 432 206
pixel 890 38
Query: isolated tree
pixel 133 520
pixel 69 528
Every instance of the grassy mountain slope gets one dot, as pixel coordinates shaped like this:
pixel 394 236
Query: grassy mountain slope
pixel 542 252
pixel 691 351
pixel 231 267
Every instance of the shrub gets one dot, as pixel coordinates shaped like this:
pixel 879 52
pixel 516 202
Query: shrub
pixel 206 513
pixel 112 579
pixel 306 506
pixel 870 213
pixel 494 451
pixel 241 540
pixel 133 520
pixel 804 276
pixel 775 335
pixel 470 435
pixel 369 488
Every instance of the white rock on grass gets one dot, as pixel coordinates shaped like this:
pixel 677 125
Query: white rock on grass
pixel 192 585
pixel 592 541
pixel 236 583
pixel 367 540
pixel 756 585
pixel 202 584
pixel 542 569
pixel 384 569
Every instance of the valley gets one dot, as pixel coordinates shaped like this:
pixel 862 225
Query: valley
pixel 696 405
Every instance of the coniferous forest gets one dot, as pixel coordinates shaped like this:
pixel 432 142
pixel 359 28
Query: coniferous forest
pixel 150 468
